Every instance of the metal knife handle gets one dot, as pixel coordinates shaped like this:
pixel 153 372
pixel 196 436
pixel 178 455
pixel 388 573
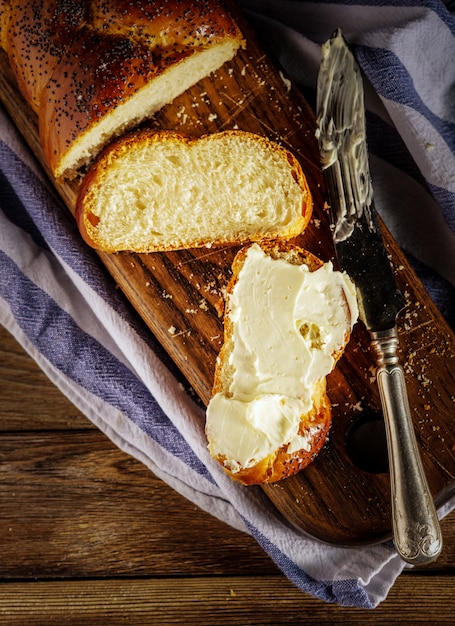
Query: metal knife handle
pixel 417 534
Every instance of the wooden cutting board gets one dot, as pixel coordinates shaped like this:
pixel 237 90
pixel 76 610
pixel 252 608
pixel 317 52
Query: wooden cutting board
pixel 343 496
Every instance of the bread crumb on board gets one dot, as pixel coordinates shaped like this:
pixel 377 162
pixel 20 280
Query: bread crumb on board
pixel 286 81
pixel 172 330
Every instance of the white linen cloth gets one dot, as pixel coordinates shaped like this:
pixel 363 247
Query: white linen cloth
pixel 63 308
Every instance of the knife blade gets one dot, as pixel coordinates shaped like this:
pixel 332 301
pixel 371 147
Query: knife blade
pixel 361 254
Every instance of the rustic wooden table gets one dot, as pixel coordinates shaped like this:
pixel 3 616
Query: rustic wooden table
pixel 89 536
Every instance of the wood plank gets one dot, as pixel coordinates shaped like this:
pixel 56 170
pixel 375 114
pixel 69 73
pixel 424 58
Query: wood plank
pixel 265 600
pixel 73 505
pixel 332 499
pixel 93 510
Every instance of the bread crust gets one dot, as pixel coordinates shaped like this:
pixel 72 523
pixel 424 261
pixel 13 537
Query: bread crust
pixel 315 424
pixel 35 35
pixel 87 220
pixel 76 62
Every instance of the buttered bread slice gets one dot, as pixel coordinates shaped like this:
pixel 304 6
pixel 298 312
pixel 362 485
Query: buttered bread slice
pixel 288 317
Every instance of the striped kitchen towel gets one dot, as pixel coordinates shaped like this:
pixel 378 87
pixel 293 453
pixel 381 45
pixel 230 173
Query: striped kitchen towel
pixel 58 301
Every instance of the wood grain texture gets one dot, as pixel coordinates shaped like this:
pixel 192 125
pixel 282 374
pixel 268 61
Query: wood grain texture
pixel 89 536
pixel 231 601
pixel 176 295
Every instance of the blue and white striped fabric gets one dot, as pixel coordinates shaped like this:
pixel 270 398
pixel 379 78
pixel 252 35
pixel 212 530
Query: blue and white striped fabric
pixel 58 301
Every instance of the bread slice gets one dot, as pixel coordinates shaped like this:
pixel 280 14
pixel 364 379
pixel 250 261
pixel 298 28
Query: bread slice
pixel 288 317
pixel 155 191
pixel 91 70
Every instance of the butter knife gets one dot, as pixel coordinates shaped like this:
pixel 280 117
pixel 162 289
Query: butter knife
pixel 362 255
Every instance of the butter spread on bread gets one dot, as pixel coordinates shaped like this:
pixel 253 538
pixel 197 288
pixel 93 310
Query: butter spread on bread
pixel 155 191
pixel 91 69
pixel 288 317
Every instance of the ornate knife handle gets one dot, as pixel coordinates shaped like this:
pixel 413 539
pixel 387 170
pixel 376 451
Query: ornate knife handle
pixel 417 534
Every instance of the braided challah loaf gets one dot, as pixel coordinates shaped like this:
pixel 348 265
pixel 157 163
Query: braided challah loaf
pixel 91 69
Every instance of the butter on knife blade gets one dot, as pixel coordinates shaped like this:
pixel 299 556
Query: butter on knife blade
pixel 361 254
